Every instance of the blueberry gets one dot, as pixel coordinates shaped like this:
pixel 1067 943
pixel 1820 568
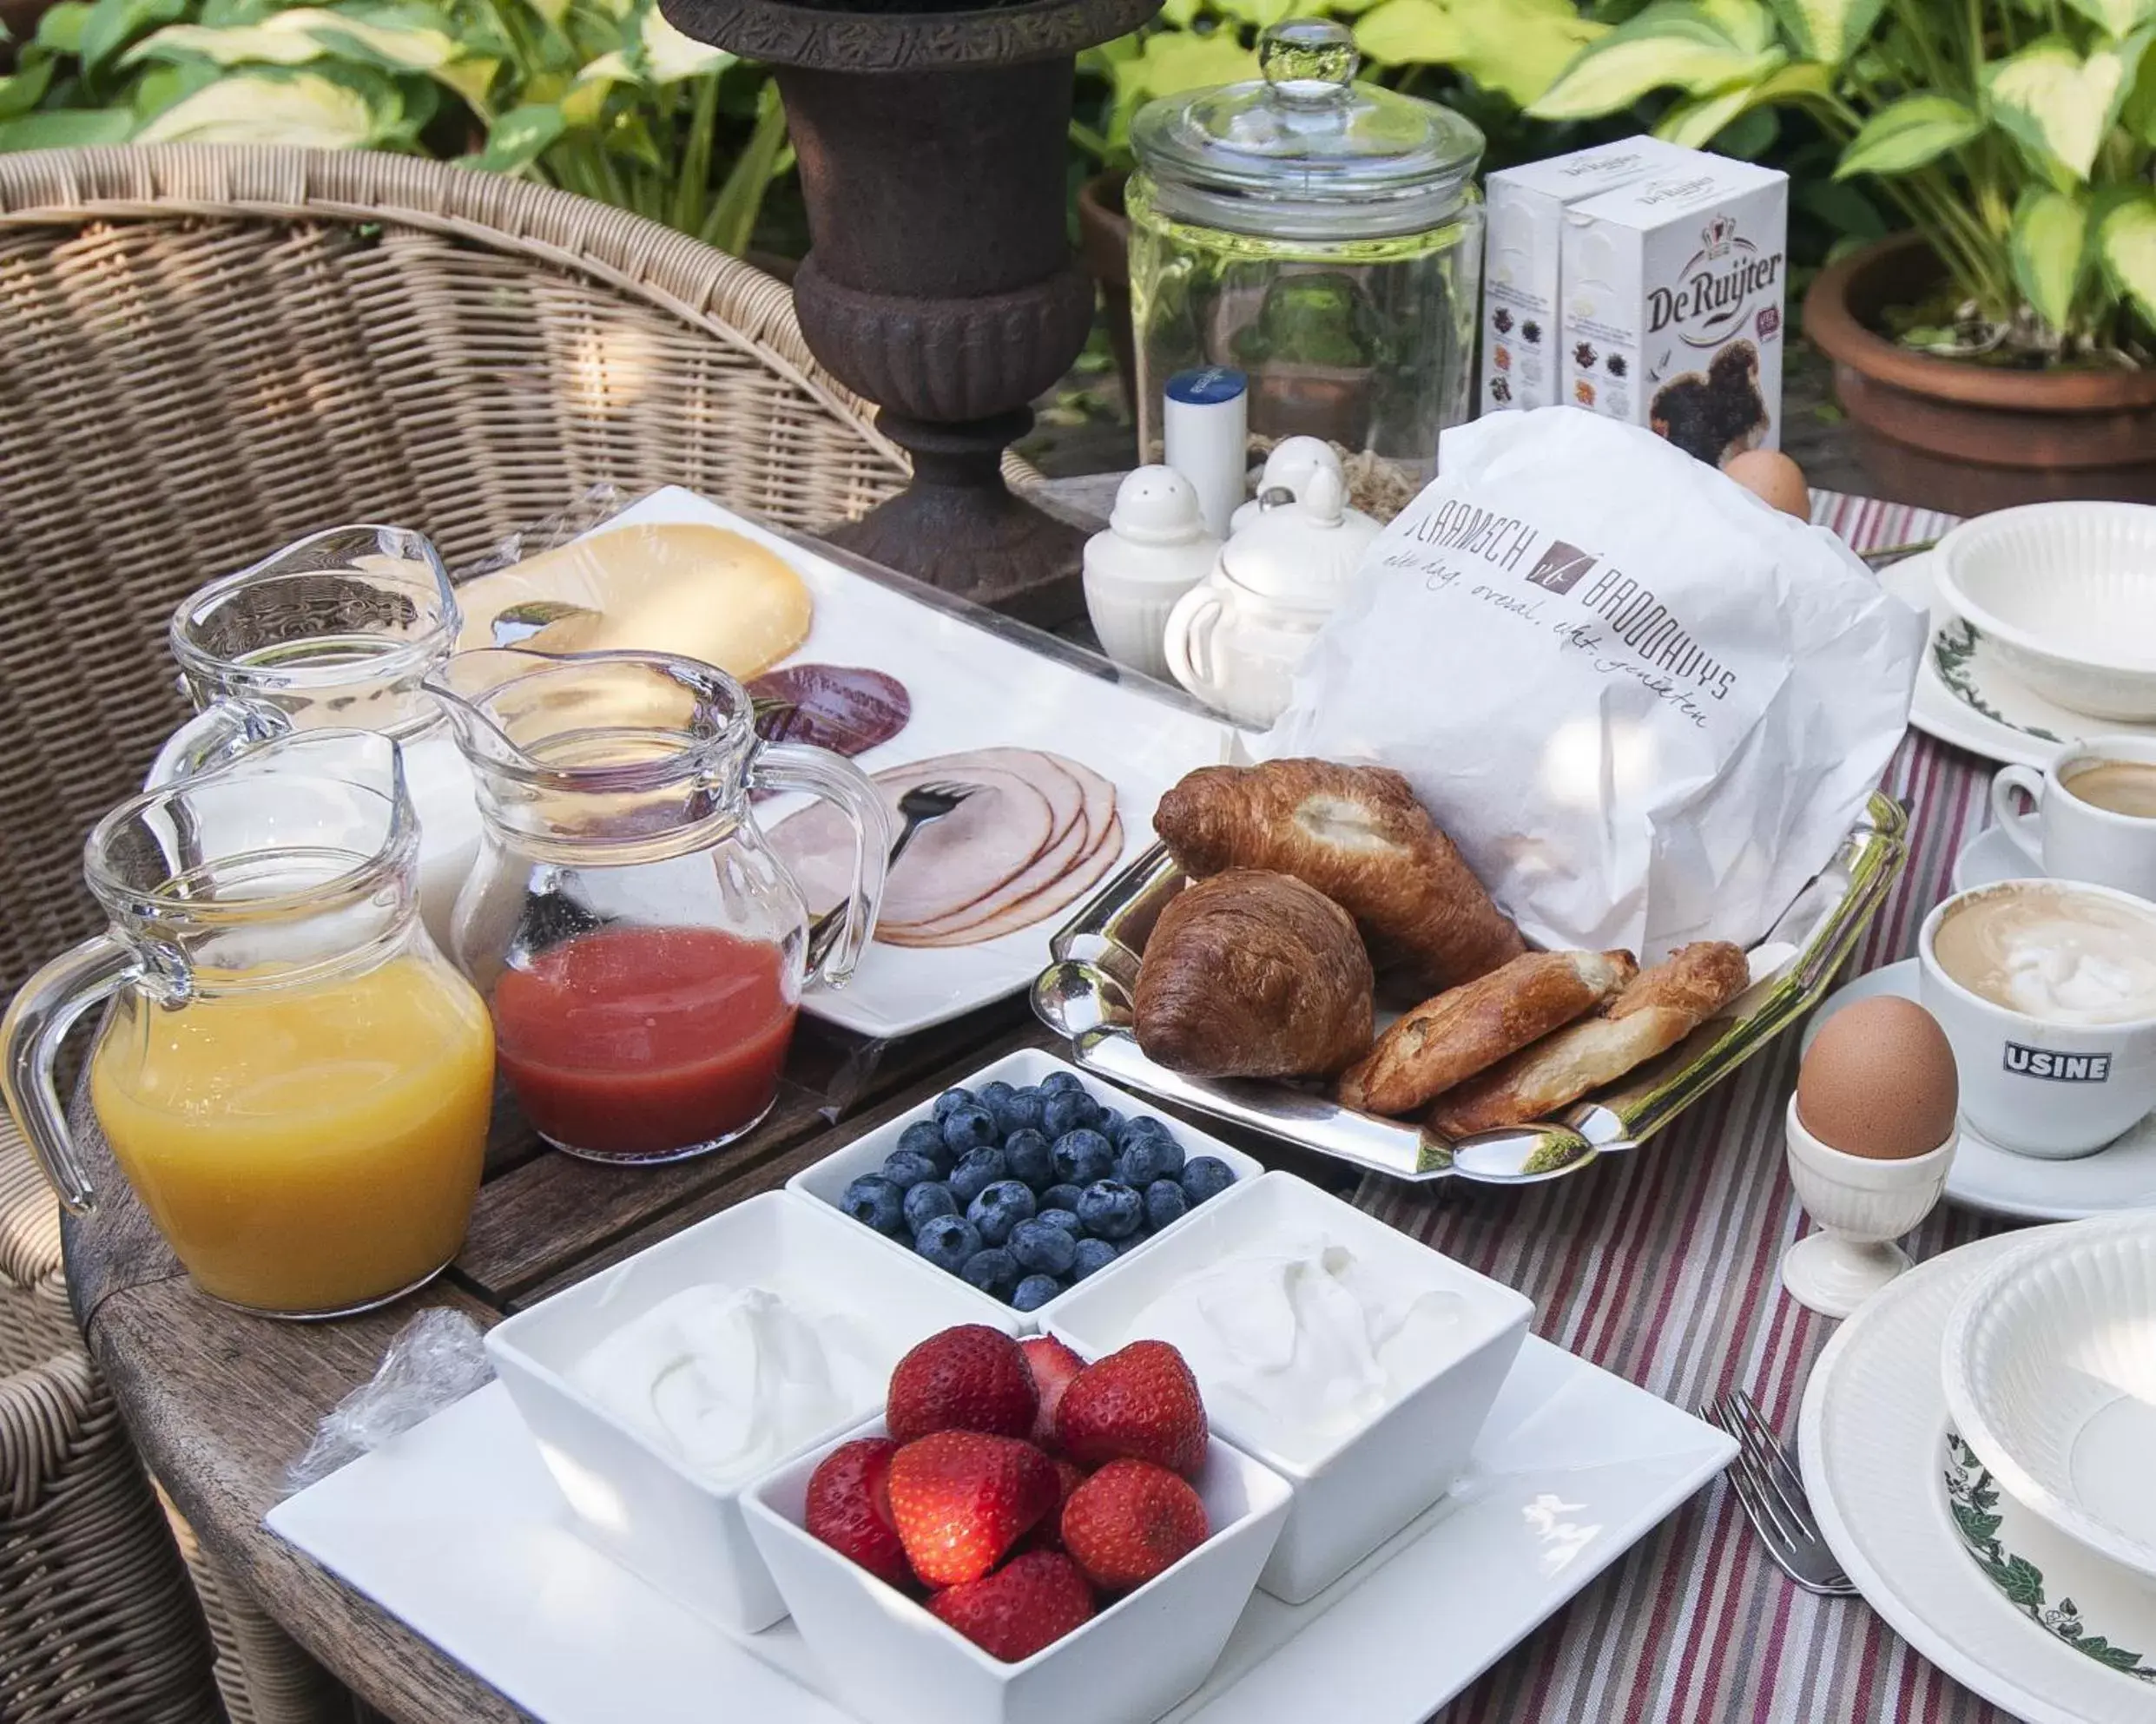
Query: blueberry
pixel 949 1242
pixel 998 1208
pixel 967 1127
pixel 1062 1080
pixel 1108 1122
pixel 928 1202
pixel 1066 1111
pixel 1083 1156
pixel 1064 1196
pixel 1043 1247
pixel 976 1170
pixel 994 1094
pixel 1110 1210
pixel 1066 1219
pixel 1020 1111
pixel 873 1199
pixel 1143 1160
pixel 994 1271
pixel 1141 1125
pixel 1205 1176
pixel 1035 1291
pixel 1028 1156
pixel 906 1168
pixel 925 1137
pixel 951 1100
pixel 1164 1204
pixel 1092 1254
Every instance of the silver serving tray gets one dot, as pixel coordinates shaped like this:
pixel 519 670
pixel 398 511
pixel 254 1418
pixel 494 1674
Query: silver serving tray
pixel 1085 995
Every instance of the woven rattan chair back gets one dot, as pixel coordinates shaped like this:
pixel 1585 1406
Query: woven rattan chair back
pixel 205 353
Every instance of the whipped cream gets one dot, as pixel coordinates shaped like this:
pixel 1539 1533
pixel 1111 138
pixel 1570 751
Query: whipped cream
pixel 729 1380
pixel 1304 1341
pixel 2052 953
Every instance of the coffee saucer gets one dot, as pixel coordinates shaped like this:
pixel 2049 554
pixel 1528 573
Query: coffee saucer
pixel 2121 1175
pixel 1991 856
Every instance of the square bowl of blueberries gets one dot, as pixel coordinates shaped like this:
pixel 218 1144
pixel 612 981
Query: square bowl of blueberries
pixel 1024 1179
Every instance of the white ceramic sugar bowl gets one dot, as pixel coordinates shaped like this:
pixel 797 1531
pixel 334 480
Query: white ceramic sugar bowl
pixel 1235 639
pixel 1155 550
pixel 1287 475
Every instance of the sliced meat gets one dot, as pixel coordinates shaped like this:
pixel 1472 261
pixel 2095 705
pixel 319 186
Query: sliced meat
pixel 1049 901
pixel 846 708
pixel 1070 847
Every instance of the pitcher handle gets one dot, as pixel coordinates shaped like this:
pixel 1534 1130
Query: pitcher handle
pixel 1187 641
pixel 220 733
pixel 795 766
pixel 31 1036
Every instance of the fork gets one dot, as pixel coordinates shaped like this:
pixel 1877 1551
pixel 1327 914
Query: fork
pixel 1767 1484
pixel 917 807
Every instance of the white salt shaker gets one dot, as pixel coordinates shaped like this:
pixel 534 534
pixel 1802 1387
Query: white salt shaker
pixel 1155 550
pixel 1205 437
pixel 1287 475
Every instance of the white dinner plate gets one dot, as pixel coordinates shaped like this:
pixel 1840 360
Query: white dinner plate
pixel 1991 856
pixel 456 1528
pixel 970 687
pixel 2121 1175
pixel 1868 1439
pixel 1966 695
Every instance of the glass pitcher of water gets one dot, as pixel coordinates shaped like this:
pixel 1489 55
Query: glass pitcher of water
pixel 642 948
pixel 292 1077
pixel 338 630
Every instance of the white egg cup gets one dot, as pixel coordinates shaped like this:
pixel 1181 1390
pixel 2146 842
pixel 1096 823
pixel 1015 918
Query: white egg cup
pixel 1862 1204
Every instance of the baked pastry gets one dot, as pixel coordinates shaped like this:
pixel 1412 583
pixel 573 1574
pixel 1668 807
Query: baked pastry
pixel 1656 1011
pixel 1359 836
pixel 1254 975
pixel 1469 1028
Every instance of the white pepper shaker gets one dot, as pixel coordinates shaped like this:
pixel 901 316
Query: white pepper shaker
pixel 1154 550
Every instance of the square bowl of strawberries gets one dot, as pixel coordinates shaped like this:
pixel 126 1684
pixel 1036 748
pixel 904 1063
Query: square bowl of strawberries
pixel 1023 1537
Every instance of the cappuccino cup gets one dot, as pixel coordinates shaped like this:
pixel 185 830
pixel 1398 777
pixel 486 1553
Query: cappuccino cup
pixel 2047 992
pixel 2095 813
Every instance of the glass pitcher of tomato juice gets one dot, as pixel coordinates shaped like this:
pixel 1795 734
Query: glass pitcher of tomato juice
pixel 642 948
pixel 294 1079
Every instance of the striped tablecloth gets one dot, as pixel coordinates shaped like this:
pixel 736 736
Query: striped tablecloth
pixel 1662 1266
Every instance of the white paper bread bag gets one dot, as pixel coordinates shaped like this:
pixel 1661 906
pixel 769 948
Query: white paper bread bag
pixel 1646 706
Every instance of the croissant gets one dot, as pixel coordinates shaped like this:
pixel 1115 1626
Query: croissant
pixel 1359 836
pixel 1254 975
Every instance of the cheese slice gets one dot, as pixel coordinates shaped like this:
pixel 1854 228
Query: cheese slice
pixel 680 587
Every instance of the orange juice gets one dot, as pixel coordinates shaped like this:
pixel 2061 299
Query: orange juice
pixel 307 1147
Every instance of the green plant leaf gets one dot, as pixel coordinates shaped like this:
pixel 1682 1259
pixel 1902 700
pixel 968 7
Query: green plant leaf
pixel 1669 44
pixel 1696 123
pixel 67 129
pixel 516 138
pixel 1518 47
pixel 1411 33
pixel 2057 105
pixel 2119 18
pixel 670 56
pixel 112 24
pixel 160 87
pixel 270 43
pixel 399 46
pixel 1746 23
pixel 1907 133
pixel 1257 13
pixel 266 106
pixel 22 92
pixel 2125 246
pixel 1827 31
pixel 2049 248
pixel 61 29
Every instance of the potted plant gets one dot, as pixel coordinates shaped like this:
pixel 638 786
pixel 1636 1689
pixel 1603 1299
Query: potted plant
pixel 2002 350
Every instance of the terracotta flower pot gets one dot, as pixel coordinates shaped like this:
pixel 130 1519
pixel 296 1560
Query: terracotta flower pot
pixel 1967 437
pixel 1104 247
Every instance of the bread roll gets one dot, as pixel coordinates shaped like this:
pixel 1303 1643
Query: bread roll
pixel 1254 975
pixel 1652 1015
pixel 1359 836
pixel 1467 1028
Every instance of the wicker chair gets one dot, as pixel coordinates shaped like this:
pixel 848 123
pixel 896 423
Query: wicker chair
pixel 205 353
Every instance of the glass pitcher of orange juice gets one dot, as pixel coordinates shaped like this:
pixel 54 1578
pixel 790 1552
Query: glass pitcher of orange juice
pixel 293 1078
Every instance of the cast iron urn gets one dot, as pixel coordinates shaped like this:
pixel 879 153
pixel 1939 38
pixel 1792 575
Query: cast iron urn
pixel 939 281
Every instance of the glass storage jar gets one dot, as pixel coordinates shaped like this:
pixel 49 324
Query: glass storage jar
pixel 1324 237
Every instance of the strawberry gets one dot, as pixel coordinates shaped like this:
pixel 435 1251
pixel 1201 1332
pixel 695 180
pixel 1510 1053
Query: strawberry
pixel 1130 1521
pixel 971 1378
pixel 961 1500
pixel 1053 1365
pixel 1141 1402
pixel 849 1508
pixel 1033 1601
pixel 1048 1536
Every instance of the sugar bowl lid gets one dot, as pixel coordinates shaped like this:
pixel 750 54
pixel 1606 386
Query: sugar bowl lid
pixel 1301 553
pixel 1307 151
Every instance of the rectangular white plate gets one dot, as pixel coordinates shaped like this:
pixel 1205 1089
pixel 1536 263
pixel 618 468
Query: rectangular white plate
pixel 971 688
pixel 456 1528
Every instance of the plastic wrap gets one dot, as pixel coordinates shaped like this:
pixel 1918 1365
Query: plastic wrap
pixel 435 1360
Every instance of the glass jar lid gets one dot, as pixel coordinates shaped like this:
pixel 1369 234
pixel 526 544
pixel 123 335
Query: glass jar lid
pixel 1307 152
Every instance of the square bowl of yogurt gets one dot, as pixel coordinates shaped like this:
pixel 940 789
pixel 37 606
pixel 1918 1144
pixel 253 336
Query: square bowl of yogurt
pixel 659 1389
pixel 1353 1360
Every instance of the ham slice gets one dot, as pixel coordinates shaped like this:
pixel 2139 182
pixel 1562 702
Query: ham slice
pixel 1049 901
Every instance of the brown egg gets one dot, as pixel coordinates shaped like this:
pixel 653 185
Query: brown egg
pixel 1879 1081
pixel 1773 478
